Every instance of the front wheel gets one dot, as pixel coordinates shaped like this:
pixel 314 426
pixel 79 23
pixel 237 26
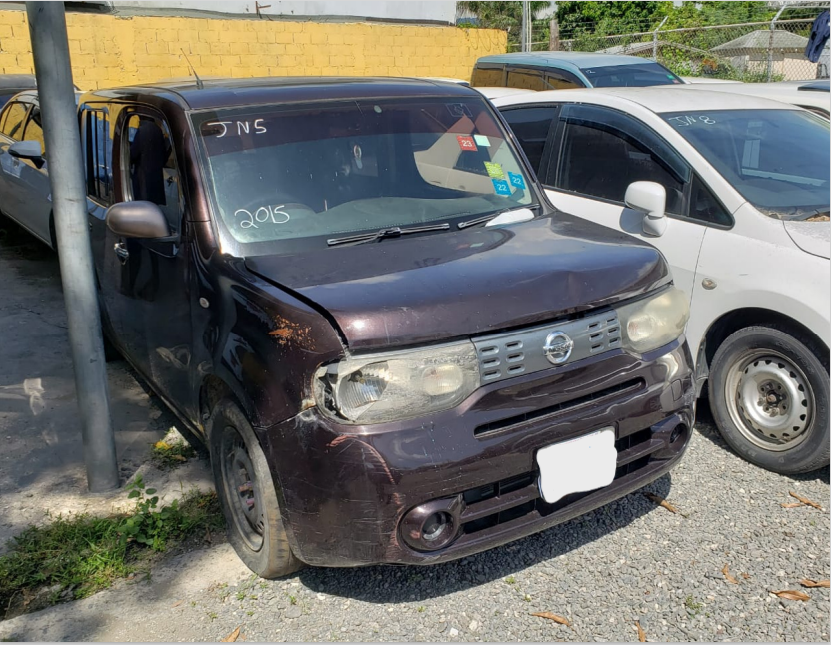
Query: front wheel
pixel 247 495
pixel 769 396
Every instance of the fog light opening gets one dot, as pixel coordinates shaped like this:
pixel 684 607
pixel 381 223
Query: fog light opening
pixel 677 431
pixel 435 527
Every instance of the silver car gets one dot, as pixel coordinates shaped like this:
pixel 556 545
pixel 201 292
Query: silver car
pixel 25 193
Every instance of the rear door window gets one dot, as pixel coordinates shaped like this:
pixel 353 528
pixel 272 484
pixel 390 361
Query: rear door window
pixel 487 77
pixel 99 152
pixel 526 79
pixel 531 126
pixel 13 118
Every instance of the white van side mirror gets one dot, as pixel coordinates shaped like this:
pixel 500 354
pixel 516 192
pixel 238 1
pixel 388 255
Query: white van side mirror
pixel 649 198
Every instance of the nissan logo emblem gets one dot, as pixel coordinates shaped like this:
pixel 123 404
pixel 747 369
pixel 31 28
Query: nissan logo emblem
pixel 557 347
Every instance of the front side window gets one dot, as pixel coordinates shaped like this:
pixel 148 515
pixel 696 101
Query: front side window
pixel 34 128
pixel 603 151
pixel 776 159
pixel 151 165
pixel 531 126
pixel 638 75
pixel 305 173
pixel 99 149
pixel 13 118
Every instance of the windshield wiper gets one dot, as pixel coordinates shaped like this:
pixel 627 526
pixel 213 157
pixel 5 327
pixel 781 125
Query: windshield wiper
pixel 384 233
pixel 490 216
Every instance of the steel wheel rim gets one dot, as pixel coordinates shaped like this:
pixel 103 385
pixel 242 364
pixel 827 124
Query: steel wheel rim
pixel 242 489
pixel 769 399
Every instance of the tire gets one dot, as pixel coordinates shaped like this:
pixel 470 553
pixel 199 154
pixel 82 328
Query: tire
pixel 257 534
pixel 769 393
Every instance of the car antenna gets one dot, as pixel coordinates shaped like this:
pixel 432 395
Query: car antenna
pixel 199 84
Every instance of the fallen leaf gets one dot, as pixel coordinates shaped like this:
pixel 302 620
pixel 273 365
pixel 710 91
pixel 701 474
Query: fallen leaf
pixel 792 505
pixel 815 583
pixel 179 457
pixel 208 538
pixel 792 594
pixel 177 603
pixel 554 617
pixel 728 577
pixel 641 633
pixel 660 501
pixel 745 576
pixel 232 637
pixel 804 500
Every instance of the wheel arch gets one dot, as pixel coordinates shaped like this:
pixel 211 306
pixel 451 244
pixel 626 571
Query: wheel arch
pixel 212 390
pixel 737 319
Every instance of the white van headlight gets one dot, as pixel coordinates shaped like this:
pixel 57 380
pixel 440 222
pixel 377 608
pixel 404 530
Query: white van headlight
pixel 652 322
pixel 376 388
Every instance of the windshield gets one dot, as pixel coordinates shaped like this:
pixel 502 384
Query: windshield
pixel 638 75
pixel 777 159
pixel 302 174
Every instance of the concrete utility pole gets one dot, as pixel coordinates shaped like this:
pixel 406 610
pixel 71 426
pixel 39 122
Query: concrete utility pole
pixel 553 35
pixel 50 49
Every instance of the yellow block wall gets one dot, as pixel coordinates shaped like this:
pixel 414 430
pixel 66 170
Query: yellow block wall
pixel 109 51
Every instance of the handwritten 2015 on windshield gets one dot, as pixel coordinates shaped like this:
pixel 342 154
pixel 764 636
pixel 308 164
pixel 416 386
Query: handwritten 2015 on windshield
pixel 263 215
pixel 699 119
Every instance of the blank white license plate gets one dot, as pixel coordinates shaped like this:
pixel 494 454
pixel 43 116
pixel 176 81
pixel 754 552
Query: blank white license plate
pixel 577 465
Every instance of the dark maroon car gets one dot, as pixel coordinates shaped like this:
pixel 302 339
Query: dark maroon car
pixel 355 292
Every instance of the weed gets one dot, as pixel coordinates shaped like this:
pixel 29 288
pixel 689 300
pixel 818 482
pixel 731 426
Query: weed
pixel 692 605
pixel 213 615
pixel 86 554
pixel 240 595
pixel 420 610
pixel 167 454
pixel 249 613
pixel 526 598
pixel 510 580
pixel 292 600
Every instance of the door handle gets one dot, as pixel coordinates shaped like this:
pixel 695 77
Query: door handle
pixel 121 251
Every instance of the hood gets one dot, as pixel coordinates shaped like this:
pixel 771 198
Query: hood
pixel 811 237
pixel 432 288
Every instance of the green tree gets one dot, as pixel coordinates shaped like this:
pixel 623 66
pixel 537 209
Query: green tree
pixel 508 17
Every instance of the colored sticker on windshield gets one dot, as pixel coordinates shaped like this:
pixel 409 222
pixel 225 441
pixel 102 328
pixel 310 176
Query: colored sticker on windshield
pixel 466 143
pixel 501 187
pixel 481 140
pixel 494 170
pixel 516 180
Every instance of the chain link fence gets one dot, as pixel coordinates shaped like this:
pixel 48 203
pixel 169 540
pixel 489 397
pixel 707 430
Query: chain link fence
pixel 750 52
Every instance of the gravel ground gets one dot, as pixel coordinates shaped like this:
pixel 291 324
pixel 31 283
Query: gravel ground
pixel 630 561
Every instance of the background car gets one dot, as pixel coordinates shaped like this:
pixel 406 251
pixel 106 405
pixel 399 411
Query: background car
pixel 568 70
pixel 812 95
pixel 726 186
pixel 11 84
pixel 25 193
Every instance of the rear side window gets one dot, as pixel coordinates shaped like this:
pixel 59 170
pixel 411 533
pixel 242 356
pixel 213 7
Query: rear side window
pixel 526 79
pixel 12 123
pixel 561 81
pixel 487 77
pixel 530 125
pixel 99 152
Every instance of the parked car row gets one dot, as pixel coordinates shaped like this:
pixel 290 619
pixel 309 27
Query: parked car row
pixel 511 345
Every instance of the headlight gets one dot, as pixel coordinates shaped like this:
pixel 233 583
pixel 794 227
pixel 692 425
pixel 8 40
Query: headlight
pixel 652 322
pixel 386 387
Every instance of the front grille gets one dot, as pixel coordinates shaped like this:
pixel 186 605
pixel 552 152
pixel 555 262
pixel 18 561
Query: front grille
pixel 506 355
pixel 508 499
pixel 627 387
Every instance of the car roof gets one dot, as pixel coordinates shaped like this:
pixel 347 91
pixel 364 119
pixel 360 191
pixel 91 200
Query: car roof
pixel 823 85
pixel 31 96
pixel 228 92
pixel 17 81
pixel 656 99
pixel 580 60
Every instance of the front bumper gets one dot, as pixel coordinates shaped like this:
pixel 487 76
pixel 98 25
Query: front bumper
pixel 344 490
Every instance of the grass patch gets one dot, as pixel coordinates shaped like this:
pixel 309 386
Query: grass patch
pixel 167 453
pixel 77 555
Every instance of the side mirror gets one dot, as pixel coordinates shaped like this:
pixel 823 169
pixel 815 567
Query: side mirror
pixel 26 150
pixel 142 220
pixel 649 198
